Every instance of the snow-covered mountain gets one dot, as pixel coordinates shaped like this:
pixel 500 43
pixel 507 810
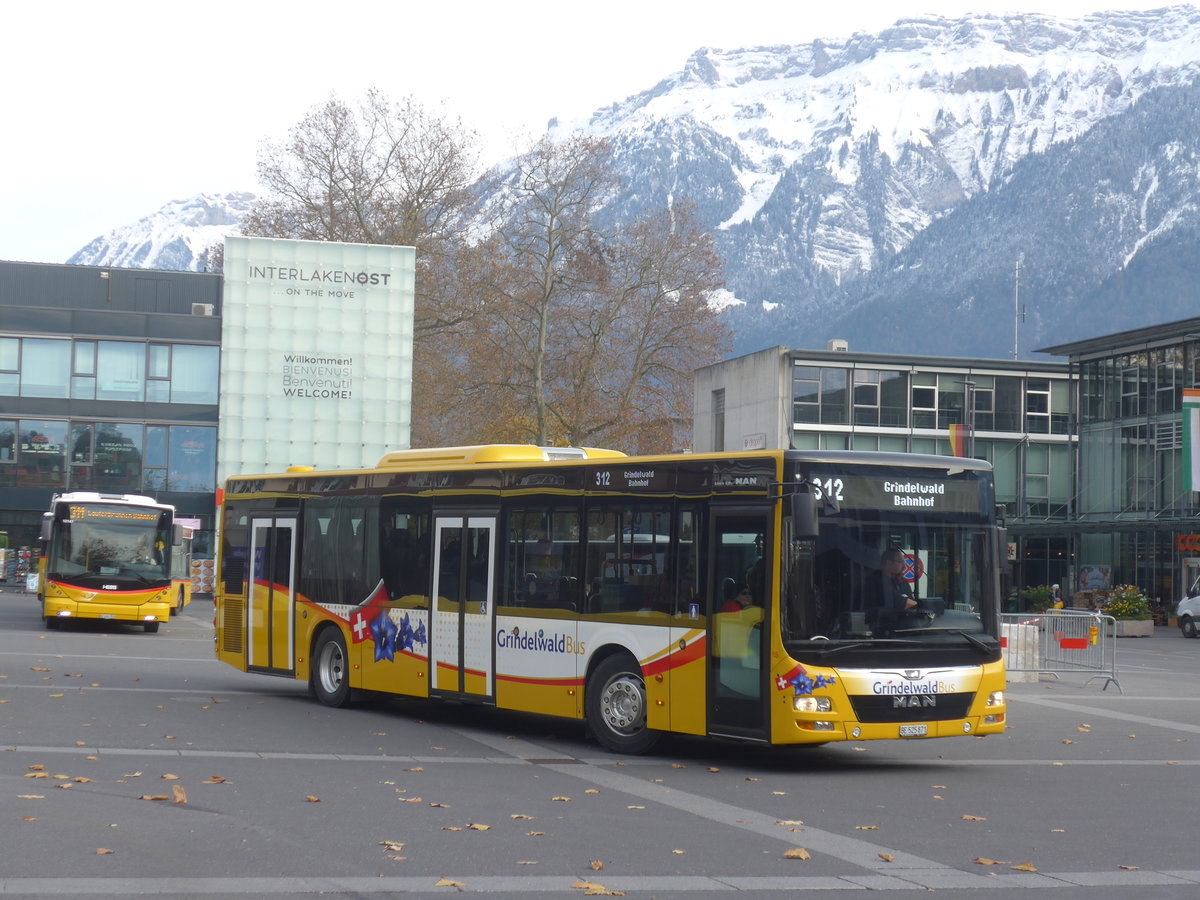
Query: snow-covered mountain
pixel 883 187
pixel 174 237
pixel 821 163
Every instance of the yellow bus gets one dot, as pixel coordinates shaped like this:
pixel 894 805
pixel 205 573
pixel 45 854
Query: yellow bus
pixel 109 556
pixel 586 584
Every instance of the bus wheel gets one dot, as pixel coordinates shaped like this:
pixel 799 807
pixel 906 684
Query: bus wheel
pixel 330 679
pixel 151 627
pixel 616 707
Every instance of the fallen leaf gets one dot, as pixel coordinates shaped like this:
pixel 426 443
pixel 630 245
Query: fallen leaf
pixel 867 827
pixel 521 816
pixel 562 799
pixel 984 861
pixel 39 669
pixel 788 822
pixel 1131 735
pixel 415 769
pixel 938 787
pixel 796 853
pixel 37 767
pixel 1129 868
pixel 754 779
pixel 214 779
pixel 409 799
pixel 31 796
pixel 394 846
pixel 475 826
pixel 597 865
pixel 311 799
pixel 102 851
pixel 535 834
pixel 63 786
pixel 81 779
pixel 451 828
pixel 448 882
pixel 440 805
pixel 635 807
pixel 169 777
pixel 154 797
pixel 132 775
pixel 526 862
pixel 36 775
pixel 28 818
pixel 887 857
pixel 713 769
pixel 679 852
pixel 678 766
pixel 779 793
pixel 57 695
pixel 974 819
pixel 81 743
pixel 591 791
pixel 1025 867
pixel 1067 741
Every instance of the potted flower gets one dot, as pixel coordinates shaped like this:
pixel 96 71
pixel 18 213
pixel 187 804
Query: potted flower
pixel 1131 608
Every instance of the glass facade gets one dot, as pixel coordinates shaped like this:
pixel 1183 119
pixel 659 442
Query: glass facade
pixel 131 371
pixel 127 457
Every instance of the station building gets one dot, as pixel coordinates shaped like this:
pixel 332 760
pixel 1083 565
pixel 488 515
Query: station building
pixel 108 382
pixel 1019 413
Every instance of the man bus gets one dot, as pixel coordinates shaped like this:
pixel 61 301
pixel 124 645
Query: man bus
pixel 590 585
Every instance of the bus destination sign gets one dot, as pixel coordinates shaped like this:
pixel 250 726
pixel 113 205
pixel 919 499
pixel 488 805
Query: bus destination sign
pixel 904 493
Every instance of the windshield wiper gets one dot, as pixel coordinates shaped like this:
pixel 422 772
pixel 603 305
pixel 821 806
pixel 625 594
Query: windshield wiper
pixel 856 645
pixel 971 638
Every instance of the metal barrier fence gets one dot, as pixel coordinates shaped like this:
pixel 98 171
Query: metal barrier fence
pixel 1058 642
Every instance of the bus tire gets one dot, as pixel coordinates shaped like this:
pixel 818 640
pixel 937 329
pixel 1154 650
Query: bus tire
pixel 151 627
pixel 330 677
pixel 616 706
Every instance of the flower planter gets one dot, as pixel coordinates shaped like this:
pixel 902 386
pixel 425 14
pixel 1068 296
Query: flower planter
pixel 1135 627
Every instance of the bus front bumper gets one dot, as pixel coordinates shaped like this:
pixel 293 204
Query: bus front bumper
pixel 151 611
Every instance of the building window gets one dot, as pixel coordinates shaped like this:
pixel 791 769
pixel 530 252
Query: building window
pixel 820 395
pixel 924 400
pixel 120 370
pixel 41 456
pixel 195 373
pixel 866 396
pixel 718 420
pixel 45 368
pixel 83 371
pixel 10 367
pixel 1037 406
pixel 192 459
pixel 1007 403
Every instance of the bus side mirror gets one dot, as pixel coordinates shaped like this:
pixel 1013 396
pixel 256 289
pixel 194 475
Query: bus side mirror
pixel 47 521
pixel 177 534
pixel 804 515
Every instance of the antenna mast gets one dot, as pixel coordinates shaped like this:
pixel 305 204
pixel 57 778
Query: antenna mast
pixel 1018 310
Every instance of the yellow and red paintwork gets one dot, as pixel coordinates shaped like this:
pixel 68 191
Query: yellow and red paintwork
pixel 674 662
pixel 141 605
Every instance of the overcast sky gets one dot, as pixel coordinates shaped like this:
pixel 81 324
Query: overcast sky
pixel 110 110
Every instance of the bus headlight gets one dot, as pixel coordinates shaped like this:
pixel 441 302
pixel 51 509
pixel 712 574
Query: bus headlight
pixel 995 698
pixel 812 704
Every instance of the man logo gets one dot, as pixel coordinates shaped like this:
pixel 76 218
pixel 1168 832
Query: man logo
pixel 914 701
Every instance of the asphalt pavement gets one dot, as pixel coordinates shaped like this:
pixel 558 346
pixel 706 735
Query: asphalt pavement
pixel 136 765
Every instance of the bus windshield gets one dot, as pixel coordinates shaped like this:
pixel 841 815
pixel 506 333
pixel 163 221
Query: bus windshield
pixel 110 541
pixel 900 559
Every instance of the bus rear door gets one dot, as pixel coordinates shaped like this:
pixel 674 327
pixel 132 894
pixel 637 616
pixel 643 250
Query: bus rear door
pixel 464 609
pixel 271 621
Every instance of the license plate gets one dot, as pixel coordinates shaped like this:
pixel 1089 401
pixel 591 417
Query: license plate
pixel 914 730
pixel 112 616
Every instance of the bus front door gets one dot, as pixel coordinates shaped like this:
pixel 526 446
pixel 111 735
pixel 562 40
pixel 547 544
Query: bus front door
pixel 464 609
pixel 270 631
pixel 739 611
